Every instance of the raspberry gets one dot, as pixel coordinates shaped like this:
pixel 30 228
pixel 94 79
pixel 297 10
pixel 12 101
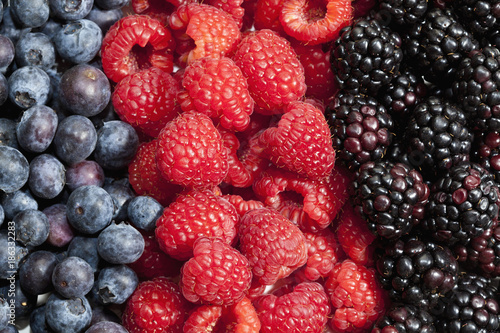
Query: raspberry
pixel 146 97
pixel 301 142
pixel 305 309
pixel 267 15
pixel 217 88
pixel 273 245
pixel 191 152
pixel 275 75
pixel 145 178
pixel 242 206
pixel 217 274
pixel 156 306
pixel 240 317
pixel 315 22
pixel 357 298
pixel 134 43
pixel 215 32
pixel 157 9
pixel 192 215
pixel 232 7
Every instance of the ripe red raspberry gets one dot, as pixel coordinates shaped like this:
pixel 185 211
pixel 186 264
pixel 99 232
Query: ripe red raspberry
pixel 275 75
pixel 157 9
pixel 217 88
pixel 217 274
pixel 215 32
pixel 315 22
pixel 355 237
pixel 267 16
pixel 146 97
pixel 134 43
pixel 301 142
pixel 191 152
pixel 241 205
pixel 232 7
pixel 357 298
pixel 274 246
pixel 145 178
pixel 153 261
pixel 192 215
pixel 238 318
pixel 305 309
pixel 156 306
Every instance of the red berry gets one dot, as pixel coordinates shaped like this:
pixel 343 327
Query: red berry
pixel 267 15
pixel 192 215
pixel 156 306
pixel 242 206
pixel 191 152
pixel 275 75
pixel 232 7
pixel 217 273
pixel 274 246
pixel 134 43
pixel 157 9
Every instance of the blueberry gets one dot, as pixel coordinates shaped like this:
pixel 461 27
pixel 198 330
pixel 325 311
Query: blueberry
pixel 143 211
pixel 121 194
pixel 89 209
pixel 36 128
pixel 65 315
pixel 2 215
pixel 14 169
pixel 16 202
pixel 117 144
pixel 11 252
pixel 104 18
pixel 35 272
pixel 78 41
pixel 35 49
pixel 73 277
pixel 7 52
pixel 8 136
pixel 70 10
pixel 60 232
pixel 106 327
pixel 30 13
pixel 115 284
pixel 38 324
pixel 47 176
pixel 84 90
pixel 4 312
pixel 87 172
pixel 111 4
pixel 29 86
pixel 75 139
pixel 24 303
pixel 32 227
pixel 1 11
pixel 10 329
pixel 51 28
pixel 103 313
pixel 9 28
pixel 85 248
pixel 4 89
pixel 120 243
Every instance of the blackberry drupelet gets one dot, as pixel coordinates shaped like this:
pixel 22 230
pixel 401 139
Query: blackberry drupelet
pixel 486 152
pixel 464 202
pixel 404 12
pixel 477 88
pixel 436 45
pixel 472 306
pixel 361 128
pixel 406 318
pixel 366 56
pixel 437 137
pixel 479 16
pixel 417 271
pixel 390 196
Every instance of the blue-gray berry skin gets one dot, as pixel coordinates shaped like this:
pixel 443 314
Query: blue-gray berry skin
pixel 78 41
pixel 65 315
pixel 75 139
pixel 24 303
pixel 35 49
pixel 30 13
pixel 107 327
pixel 10 329
pixel 70 10
pixel 8 136
pixel 38 324
pixel 89 209
pixel 16 202
pixel 9 28
pixel 117 144
pixel 47 176
pixel 32 227
pixel 35 273
pixel 4 313
pixel 4 89
pixel 87 172
pixel 104 18
pixel 120 243
pixel 14 169
pixel 110 4
pixel 121 194
pixel 143 211
pixel 85 248
pixel 7 52
pixel 20 252
pixel 73 277
pixel 103 313
pixel 115 284
pixel 2 215
pixel 29 86
pixel 36 128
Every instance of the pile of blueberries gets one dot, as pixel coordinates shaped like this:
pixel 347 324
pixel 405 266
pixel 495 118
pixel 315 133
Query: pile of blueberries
pixel 64 194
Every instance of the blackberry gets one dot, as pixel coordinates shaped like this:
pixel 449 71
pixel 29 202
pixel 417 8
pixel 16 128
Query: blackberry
pixel 404 12
pixel 479 16
pixel 361 128
pixel 407 318
pixel 476 88
pixel 487 152
pixel 417 271
pixel 436 45
pixel 437 136
pixel 390 196
pixel 366 56
pixel 472 306
pixel 463 204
